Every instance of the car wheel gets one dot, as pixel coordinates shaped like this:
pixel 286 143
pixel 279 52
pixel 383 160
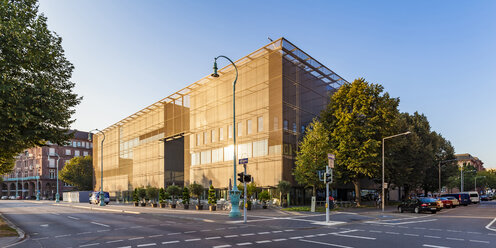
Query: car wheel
pixel 433 211
pixel 416 210
pixel 400 210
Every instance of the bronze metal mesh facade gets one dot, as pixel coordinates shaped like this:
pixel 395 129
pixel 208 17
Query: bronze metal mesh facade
pixel 279 90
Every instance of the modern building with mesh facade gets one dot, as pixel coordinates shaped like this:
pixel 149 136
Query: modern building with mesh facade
pixel 187 136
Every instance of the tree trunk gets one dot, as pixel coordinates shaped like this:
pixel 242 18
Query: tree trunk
pixel 314 192
pixel 356 183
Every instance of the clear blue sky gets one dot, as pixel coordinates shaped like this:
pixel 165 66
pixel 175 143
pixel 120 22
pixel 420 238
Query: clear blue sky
pixel 438 57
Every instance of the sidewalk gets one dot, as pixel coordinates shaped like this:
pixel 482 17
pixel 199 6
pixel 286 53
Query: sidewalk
pixel 9 241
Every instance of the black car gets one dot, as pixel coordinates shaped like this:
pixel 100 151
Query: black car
pixel 419 205
pixel 484 198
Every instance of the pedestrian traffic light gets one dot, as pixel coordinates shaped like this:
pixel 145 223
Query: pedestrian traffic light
pixel 241 177
pixel 247 178
pixel 328 178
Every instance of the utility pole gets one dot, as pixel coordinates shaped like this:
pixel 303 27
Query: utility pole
pixel 328 179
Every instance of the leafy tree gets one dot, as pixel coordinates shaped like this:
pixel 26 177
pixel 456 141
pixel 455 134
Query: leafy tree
pixel 151 193
pixel 312 156
pixel 284 187
pixel 161 195
pixel 135 196
pixel 196 190
pixel 36 95
pixel 141 193
pixel 78 171
pixel 173 191
pixel 185 196
pixel 252 189
pixel 264 196
pixel 358 116
pixel 212 198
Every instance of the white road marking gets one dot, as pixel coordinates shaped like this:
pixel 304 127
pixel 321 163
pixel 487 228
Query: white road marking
pixel 190 240
pixel 321 234
pixel 490 224
pixel 154 236
pixel 277 240
pixel 136 227
pixel 190 232
pixel 220 228
pixel 353 236
pixel 105 230
pixel 453 231
pixel 81 233
pixel 392 233
pixel 474 232
pixel 288 230
pixel 479 241
pixel 322 243
pixel 150 244
pixel 263 232
pixel 410 234
pixel 247 234
pixel 136 238
pixel 121 228
pixel 100 224
pixel 216 237
pixel 41 238
pixel 89 245
pixel 296 237
pixel 457 239
pixel 276 231
pixel 263 241
pixel 246 243
pixel 60 236
pixel 373 231
pixel 124 247
pixel 309 236
pixel 114 241
pixel 420 228
pixel 435 229
pixel 435 246
pixel 221 246
pixel 173 233
pixel 434 237
pixel 170 242
pixel 74 218
pixel 231 236
pixel 206 230
pixel 44 225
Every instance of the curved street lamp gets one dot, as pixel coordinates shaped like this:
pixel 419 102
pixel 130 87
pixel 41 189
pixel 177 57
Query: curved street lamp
pixel 235 193
pixel 102 197
pixel 57 196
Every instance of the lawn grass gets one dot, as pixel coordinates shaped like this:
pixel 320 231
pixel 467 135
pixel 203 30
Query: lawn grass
pixel 6 230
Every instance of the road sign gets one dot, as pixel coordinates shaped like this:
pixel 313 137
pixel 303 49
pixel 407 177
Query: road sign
pixel 243 161
pixel 385 185
pixel 331 158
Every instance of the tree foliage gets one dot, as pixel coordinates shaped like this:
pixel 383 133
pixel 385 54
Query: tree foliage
pixel 36 95
pixel 312 156
pixel 78 171
pixel 358 116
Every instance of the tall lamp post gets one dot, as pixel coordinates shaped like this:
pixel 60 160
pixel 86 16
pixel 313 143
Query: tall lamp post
pixel 234 194
pixel 439 167
pixel 57 196
pixel 382 186
pixel 102 197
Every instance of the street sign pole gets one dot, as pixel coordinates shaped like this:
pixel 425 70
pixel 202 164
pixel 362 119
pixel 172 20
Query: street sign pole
pixel 327 195
pixel 245 202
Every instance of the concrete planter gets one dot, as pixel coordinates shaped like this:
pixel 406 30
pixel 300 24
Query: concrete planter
pixel 212 207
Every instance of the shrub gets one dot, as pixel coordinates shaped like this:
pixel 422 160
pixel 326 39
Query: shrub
pixel 212 198
pixel 135 195
pixel 173 191
pixel 185 196
pixel 161 195
pixel 141 193
pixel 264 196
pixel 151 193
pixel 196 190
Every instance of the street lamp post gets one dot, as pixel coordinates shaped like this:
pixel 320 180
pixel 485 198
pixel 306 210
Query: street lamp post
pixel 102 197
pixel 37 182
pixel 17 182
pixel 57 196
pixel 234 194
pixel 439 167
pixel 382 186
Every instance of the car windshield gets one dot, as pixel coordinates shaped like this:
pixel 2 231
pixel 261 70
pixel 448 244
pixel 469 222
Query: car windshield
pixel 444 198
pixel 473 195
pixel 428 199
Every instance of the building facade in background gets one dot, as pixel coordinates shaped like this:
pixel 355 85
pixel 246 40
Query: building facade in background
pixel 39 165
pixel 188 136
pixel 467 159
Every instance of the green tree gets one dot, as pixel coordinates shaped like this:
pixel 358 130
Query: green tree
pixel 141 193
pixel 173 191
pixel 185 196
pixel 212 198
pixel 36 95
pixel 312 156
pixel 264 196
pixel 135 195
pixel 151 193
pixel 252 189
pixel 78 172
pixel 284 187
pixel 358 116
pixel 196 190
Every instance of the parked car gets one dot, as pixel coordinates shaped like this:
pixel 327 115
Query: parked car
pixel 419 205
pixel 474 196
pixel 482 198
pixel 454 201
pixel 463 198
pixel 4 197
pixel 446 202
pixel 439 204
pixel 95 197
pixel 12 197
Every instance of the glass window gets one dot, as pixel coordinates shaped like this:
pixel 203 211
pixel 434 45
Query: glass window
pixel 240 129
pixel 228 153
pixel 217 155
pixel 294 127
pixel 276 123
pixel 302 129
pixel 76 153
pixel 260 124
pixel 51 173
pixel 85 153
pixel 67 152
pixel 221 133
pixel 204 137
pixel 260 148
pixel 51 163
pixel 248 127
pixel 285 123
pixel 244 150
pixel 51 151
pixel 195 158
pixel 198 139
pixel 212 135
pixel 74 144
pixel 206 157
pixel 79 144
pixel 230 131
pixel 87 145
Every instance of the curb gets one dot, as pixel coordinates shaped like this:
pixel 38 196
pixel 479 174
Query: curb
pixel 21 234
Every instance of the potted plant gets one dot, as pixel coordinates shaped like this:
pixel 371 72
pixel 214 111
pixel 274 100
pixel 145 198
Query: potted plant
pixel 264 197
pixel 284 187
pixel 135 197
pixel 251 190
pixel 161 197
pixel 212 199
pixel 151 194
pixel 197 190
pixel 173 191
pixel 186 198
pixel 142 196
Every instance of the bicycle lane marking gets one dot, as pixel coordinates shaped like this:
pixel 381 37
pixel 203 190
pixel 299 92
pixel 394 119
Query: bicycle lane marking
pixel 488 227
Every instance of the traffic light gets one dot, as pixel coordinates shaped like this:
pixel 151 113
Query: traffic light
pixel 328 178
pixel 247 178
pixel 241 176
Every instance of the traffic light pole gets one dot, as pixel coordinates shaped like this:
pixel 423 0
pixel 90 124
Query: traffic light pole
pixel 327 194
pixel 245 202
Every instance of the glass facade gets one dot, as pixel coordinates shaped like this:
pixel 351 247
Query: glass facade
pixel 187 137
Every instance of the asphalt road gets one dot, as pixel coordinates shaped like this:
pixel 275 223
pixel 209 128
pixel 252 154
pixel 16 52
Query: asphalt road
pixel 48 225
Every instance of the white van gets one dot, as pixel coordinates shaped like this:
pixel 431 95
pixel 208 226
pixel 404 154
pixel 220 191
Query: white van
pixel 474 196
